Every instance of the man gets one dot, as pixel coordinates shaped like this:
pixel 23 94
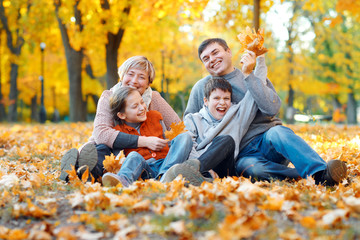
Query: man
pixel 267 147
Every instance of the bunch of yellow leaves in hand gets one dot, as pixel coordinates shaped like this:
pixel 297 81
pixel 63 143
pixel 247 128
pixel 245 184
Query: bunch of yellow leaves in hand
pixel 250 40
pixel 175 130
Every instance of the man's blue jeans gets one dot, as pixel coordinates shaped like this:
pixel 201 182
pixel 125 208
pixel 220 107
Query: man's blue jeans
pixel 135 165
pixel 267 156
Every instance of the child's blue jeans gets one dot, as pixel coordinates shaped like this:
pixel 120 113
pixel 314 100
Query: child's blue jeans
pixel 135 165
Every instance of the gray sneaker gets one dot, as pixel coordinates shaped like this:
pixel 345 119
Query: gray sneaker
pixel 88 155
pixel 111 180
pixel 189 170
pixel 69 159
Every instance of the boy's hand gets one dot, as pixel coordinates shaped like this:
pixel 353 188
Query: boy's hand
pixel 153 143
pixel 248 60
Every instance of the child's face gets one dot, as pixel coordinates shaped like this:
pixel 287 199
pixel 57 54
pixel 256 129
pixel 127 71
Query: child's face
pixel 136 78
pixel 218 103
pixel 135 109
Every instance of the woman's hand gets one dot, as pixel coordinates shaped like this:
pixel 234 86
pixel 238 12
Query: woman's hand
pixel 153 143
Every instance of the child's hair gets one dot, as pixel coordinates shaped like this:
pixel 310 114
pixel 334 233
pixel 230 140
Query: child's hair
pixel 217 83
pixel 209 41
pixel 138 62
pixel 118 102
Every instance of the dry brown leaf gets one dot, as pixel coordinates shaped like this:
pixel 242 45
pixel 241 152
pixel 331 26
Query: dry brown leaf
pixel 250 40
pixel 175 129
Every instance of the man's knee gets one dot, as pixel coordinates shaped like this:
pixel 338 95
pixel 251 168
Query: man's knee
pixel 278 132
pixel 250 167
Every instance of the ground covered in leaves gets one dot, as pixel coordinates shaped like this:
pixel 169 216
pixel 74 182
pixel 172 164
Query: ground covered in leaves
pixel 34 204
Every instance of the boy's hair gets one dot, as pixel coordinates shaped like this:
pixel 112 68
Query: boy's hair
pixel 118 102
pixel 209 41
pixel 217 83
pixel 138 62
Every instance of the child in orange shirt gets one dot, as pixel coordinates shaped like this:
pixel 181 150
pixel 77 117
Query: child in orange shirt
pixel 130 112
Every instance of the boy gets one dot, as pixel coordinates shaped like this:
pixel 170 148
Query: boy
pixel 219 118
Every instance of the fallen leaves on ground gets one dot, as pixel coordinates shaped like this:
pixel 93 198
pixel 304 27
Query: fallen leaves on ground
pixel 34 204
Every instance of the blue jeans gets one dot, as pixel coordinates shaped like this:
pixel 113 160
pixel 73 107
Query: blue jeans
pixel 135 165
pixel 267 156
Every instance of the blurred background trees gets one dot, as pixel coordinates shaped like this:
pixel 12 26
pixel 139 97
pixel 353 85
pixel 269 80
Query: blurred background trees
pixel 313 60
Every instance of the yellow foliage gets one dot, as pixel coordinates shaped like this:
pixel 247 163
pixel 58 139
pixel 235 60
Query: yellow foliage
pixel 250 40
pixel 113 164
pixel 176 129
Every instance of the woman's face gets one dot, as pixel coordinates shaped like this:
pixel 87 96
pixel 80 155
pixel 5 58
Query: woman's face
pixel 137 79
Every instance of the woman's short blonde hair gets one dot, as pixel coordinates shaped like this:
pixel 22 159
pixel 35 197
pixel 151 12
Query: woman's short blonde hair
pixel 137 62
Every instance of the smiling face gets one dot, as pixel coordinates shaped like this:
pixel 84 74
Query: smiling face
pixel 217 60
pixel 137 79
pixel 135 109
pixel 218 103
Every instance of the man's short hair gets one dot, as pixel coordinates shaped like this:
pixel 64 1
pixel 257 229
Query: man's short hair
pixel 209 41
pixel 217 83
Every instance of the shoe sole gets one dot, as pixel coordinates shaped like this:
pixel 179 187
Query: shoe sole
pixel 88 156
pixel 112 180
pixel 69 159
pixel 337 170
pixel 193 177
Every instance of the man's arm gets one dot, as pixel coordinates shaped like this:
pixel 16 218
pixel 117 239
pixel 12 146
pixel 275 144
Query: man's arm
pixel 263 92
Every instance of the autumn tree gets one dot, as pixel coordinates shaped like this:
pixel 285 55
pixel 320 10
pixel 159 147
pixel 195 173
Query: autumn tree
pixel 2 108
pixel 74 55
pixel 12 19
pixel 337 48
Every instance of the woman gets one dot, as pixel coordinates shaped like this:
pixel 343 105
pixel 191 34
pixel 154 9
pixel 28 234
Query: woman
pixel 136 72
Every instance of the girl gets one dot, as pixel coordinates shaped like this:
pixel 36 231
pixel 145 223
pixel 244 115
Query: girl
pixel 130 113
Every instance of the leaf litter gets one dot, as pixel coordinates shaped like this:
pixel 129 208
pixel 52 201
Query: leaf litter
pixel 35 204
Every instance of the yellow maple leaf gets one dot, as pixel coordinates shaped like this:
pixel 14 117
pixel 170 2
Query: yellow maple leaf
pixel 175 129
pixel 113 164
pixel 252 40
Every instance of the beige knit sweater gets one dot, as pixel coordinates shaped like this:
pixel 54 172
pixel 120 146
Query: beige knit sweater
pixel 104 133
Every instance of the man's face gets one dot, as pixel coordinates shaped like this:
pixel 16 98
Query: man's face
pixel 218 103
pixel 217 60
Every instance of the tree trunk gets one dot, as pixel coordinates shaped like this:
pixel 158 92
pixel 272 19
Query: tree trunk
pixel 290 111
pixel 256 14
pixel 351 111
pixel 14 46
pixel 34 109
pixel 2 108
pixel 12 111
pixel 77 105
pixel 112 48
pixel 74 61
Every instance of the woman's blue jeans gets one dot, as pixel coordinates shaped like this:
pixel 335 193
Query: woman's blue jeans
pixel 135 165
pixel 267 156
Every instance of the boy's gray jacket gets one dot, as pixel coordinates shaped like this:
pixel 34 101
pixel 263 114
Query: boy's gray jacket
pixel 235 123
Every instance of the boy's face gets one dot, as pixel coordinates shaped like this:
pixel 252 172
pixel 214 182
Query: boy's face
pixel 135 109
pixel 218 103
pixel 217 60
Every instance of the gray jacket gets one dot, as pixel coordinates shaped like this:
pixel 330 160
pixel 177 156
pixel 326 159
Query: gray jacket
pixel 203 128
pixel 262 91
